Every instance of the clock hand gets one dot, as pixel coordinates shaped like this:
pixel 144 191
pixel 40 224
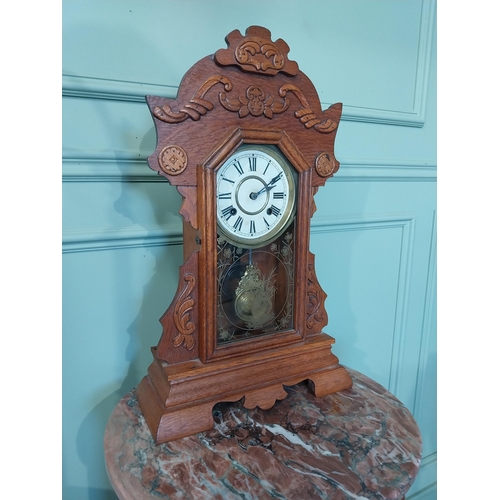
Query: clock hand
pixel 269 186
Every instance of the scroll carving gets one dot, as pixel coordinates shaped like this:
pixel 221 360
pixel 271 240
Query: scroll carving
pixel 182 315
pixel 196 107
pixel 256 53
pixel 262 56
pixel 305 114
pixel 315 310
pixel 256 103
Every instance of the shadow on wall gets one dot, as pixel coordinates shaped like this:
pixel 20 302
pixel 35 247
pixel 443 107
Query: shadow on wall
pixel 90 450
pixel 144 332
pixel 138 195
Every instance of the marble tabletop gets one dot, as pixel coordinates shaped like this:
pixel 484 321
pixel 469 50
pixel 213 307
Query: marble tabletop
pixel 361 443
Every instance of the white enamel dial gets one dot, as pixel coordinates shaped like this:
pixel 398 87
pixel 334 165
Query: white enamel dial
pixel 255 196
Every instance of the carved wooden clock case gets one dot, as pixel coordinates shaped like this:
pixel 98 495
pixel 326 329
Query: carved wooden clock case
pixel 247 146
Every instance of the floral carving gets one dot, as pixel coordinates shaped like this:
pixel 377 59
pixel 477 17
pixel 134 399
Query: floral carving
pixel 182 315
pixel 254 102
pixel 196 107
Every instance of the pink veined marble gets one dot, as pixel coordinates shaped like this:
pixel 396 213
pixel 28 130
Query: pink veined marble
pixel 361 443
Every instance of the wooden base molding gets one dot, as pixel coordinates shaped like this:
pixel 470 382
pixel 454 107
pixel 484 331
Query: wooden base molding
pixel 177 400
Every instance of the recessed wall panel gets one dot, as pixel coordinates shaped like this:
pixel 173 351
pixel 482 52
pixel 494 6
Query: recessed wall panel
pixel 360 271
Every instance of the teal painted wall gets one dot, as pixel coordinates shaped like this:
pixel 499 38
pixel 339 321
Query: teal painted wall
pixel 374 233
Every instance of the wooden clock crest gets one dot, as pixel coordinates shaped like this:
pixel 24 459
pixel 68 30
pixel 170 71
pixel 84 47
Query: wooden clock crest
pixel 247 146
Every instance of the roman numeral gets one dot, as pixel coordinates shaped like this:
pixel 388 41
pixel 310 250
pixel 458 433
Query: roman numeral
pixel 224 196
pixel 253 163
pixel 267 166
pixel 238 167
pixel 266 223
pixel 228 180
pixel 237 225
pixel 228 212
pixel 274 210
pixel 252 226
pixel 278 196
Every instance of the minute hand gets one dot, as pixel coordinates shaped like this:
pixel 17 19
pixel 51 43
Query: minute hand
pixel 268 187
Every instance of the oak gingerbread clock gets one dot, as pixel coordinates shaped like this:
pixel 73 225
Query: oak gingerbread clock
pixel 247 146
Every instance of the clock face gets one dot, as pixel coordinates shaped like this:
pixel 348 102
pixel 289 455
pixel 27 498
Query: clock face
pixel 255 196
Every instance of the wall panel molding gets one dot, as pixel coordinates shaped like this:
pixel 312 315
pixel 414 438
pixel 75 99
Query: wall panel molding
pixel 352 170
pixel 108 170
pixel 414 117
pixel 113 90
pixel 112 169
pixel 430 300
pixel 88 240
pixel 407 225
